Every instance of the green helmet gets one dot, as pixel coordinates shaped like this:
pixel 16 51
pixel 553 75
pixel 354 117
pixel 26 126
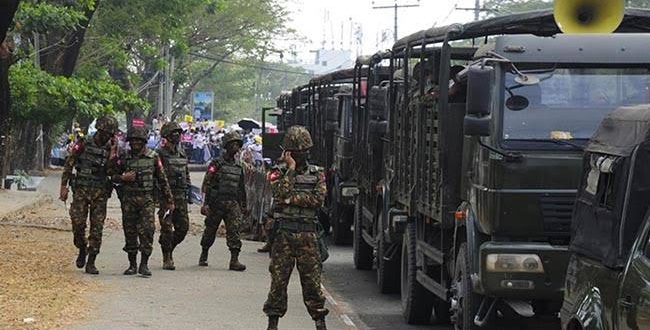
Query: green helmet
pixel 136 133
pixel 106 123
pixel 231 137
pixel 170 128
pixel 297 138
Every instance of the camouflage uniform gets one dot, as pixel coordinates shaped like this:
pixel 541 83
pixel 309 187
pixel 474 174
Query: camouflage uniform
pixel 175 225
pixel 223 186
pixel 91 189
pixel 298 194
pixel 138 203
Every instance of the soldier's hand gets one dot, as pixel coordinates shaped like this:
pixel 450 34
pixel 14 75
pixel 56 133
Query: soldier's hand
pixel 128 177
pixel 63 194
pixel 205 210
pixel 291 163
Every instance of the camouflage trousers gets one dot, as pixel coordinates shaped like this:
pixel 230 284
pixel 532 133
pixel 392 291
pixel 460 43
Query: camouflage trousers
pixel 174 227
pixel 88 201
pixel 230 213
pixel 138 223
pixel 300 249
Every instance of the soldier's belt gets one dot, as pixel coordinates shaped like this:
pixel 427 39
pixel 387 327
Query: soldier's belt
pixel 295 212
pixel 297 227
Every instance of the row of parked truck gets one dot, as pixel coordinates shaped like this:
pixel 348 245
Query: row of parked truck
pixel 458 158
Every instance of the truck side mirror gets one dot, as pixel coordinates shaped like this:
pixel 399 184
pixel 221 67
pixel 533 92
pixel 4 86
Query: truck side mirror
pixel 476 126
pixel 479 96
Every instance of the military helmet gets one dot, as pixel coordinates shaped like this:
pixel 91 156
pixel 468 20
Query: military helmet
pixel 169 128
pixel 136 133
pixel 231 137
pixel 106 123
pixel 297 138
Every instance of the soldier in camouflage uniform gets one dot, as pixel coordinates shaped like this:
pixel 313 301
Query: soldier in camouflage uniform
pixel 173 226
pixel 91 188
pixel 136 173
pixel 299 190
pixel 225 198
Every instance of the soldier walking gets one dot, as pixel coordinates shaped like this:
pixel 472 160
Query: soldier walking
pixel 225 198
pixel 299 190
pixel 137 172
pixel 91 188
pixel 174 225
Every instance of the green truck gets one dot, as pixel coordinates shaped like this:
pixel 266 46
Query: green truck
pixel 482 146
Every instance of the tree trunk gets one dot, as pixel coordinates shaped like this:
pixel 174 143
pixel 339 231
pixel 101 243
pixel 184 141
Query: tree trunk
pixel 7 10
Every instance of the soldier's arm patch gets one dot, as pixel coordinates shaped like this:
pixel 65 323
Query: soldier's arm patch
pixel 212 169
pixel 273 176
pixel 159 163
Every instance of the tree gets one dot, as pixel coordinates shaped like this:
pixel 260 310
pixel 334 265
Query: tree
pixel 7 11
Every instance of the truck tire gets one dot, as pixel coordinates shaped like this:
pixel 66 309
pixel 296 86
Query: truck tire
pixel 362 251
pixel 341 232
pixel 465 301
pixel 388 271
pixel 417 301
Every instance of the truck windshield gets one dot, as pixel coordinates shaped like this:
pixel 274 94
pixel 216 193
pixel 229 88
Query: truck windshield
pixel 569 103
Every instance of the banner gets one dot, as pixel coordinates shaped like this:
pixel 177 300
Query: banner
pixel 188 119
pixel 202 105
pixel 137 122
pixel 220 123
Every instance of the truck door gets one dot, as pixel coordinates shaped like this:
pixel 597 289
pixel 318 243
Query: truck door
pixel 634 299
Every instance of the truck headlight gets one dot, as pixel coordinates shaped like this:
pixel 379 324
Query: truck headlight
pixel 349 191
pixel 514 263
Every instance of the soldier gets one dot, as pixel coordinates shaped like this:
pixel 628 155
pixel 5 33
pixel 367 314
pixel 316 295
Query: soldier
pixel 91 189
pixel 299 191
pixel 136 173
pixel 173 226
pixel 225 198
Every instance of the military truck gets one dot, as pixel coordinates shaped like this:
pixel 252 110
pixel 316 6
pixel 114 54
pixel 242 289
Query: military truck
pixel 609 270
pixel 330 124
pixel 370 129
pixel 483 159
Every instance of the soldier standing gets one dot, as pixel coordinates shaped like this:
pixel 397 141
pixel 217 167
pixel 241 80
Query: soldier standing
pixel 136 173
pixel 225 198
pixel 91 189
pixel 173 226
pixel 299 190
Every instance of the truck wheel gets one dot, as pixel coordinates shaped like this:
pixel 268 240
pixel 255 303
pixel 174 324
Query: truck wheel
pixel 464 301
pixel 341 233
pixel 362 251
pixel 388 271
pixel 417 301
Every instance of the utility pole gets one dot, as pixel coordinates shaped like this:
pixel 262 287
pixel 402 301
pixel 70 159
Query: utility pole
pixel 395 7
pixel 40 151
pixel 477 9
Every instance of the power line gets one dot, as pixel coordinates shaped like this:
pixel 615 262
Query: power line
pixel 214 58
pixel 395 7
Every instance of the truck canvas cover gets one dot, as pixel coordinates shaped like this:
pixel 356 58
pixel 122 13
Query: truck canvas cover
pixel 614 193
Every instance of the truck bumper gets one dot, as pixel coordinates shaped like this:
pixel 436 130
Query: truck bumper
pixel 543 285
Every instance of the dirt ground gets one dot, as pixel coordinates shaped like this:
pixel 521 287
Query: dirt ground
pixel 39 288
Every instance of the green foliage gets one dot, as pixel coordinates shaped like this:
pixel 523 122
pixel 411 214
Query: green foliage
pixel 43 17
pixel 505 7
pixel 43 98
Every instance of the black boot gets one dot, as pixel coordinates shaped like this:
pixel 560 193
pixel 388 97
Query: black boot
pixel 133 265
pixel 320 324
pixel 168 261
pixel 81 258
pixel 90 265
pixel 234 262
pixel 273 323
pixel 265 248
pixel 203 259
pixel 144 267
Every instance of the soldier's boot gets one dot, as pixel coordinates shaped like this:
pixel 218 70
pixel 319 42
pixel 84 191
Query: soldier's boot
pixel 320 324
pixel 203 259
pixel 133 264
pixel 273 323
pixel 81 258
pixel 90 264
pixel 144 265
pixel 234 262
pixel 168 261
pixel 265 248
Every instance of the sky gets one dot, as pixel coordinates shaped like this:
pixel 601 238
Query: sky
pixel 337 22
